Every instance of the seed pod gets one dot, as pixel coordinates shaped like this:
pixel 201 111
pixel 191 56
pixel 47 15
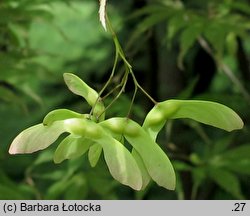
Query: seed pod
pixel 157 117
pixel 83 127
pixel 206 112
pixel 115 125
pixel 155 160
pixel 121 164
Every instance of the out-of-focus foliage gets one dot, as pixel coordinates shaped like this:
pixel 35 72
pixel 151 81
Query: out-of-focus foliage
pixel 32 64
pixel 41 39
pixel 221 29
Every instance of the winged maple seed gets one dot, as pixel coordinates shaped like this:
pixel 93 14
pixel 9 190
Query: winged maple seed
pixel 102 13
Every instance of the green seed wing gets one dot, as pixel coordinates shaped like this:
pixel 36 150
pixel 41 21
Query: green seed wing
pixel 61 114
pixel 121 164
pixel 155 160
pixel 71 147
pixel 210 113
pixel 94 154
pixel 78 87
pixel 145 176
pixel 206 112
pixel 36 138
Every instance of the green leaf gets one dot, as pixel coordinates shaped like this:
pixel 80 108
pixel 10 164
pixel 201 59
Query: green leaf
pixel 241 6
pixel 77 188
pixel 148 10
pixel 237 159
pixel 187 40
pixel 240 167
pixel 56 190
pixel 148 23
pixel 226 180
pixel 198 177
pixel 60 114
pixel 9 96
pixel 43 157
pixel 181 166
pixel 71 147
pixel 240 153
pixel 215 32
pixel 232 43
pixel 97 177
pixel 31 93
pixel 36 138
pixel 8 193
pixel 94 154
pixel 175 24
pixel 221 145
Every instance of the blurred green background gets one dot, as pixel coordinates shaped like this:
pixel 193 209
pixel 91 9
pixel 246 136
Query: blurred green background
pixel 183 49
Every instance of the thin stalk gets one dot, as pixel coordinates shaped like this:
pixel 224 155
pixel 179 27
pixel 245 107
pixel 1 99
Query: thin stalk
pixel 132 101
pixel 117 43
pixel 124 82
pixel 110 92
pixel 119 53
pixel 111 75
pixel 142 89
pixel 108 82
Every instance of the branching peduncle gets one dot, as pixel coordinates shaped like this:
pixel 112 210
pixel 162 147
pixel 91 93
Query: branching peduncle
pixel 119 54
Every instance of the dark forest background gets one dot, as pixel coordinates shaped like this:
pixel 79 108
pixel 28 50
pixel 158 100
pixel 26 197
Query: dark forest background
pixel 186 49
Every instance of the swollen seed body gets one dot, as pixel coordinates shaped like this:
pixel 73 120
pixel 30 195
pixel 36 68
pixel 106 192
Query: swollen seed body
pixel 130 129
pixel 121 163
pixel 116 125
pixel 93 132
pixel 161 112
pixel 120 126
pixel 156 162
pixel 83 127
pixel 155 116
pixel 75 126
pixel 169 108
